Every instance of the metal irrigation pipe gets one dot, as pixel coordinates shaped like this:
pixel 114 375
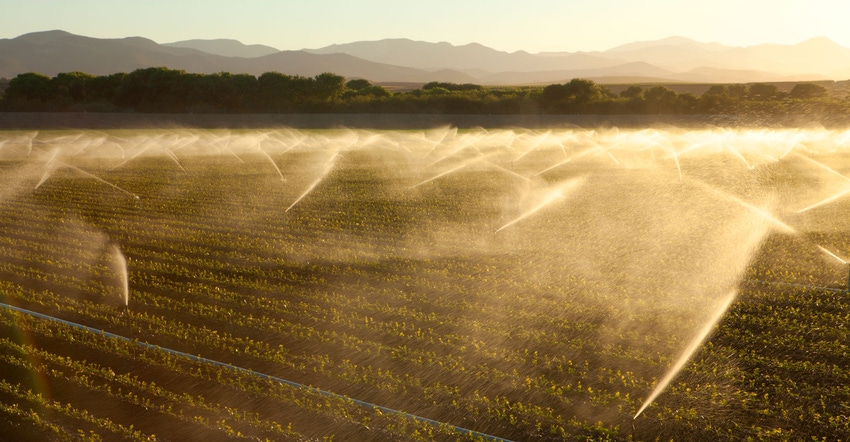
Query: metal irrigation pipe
pixel 203 360
pixel 801 286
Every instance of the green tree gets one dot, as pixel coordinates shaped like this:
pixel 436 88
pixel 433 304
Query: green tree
pixel 328 88
pixel 452 87
pixel 738 91
pixel 577 96
pixel 660 99
pixel 224 92
pixel 632 92
pixel 716 99
pixel 104 88
pixel 362 88
pixel 284 93
pixel 72 86
pixel 275 92
pixel 808 91
pixel 687 102
pixel 156 90
pixel 30 86
pixel 718 90
pixel 763 91
pixel 357 84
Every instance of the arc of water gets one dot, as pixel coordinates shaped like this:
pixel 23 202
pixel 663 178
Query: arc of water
pixel 678 167
pixel 824 250
pixel 558 192
pixel 30 143
pixel 824 167
pixel 561 145
pixel 562 162
pixel 737 153
pixel 277 169
pixel 826 201
pixel 364 140
pixel 135 155
pixel 482 158
pixel 186 141
pixel 88 144
pixel 540 139
pixel 672 154
pixel 831 171
pixel 689 351
pixel 607 149
pixel 49 168
pixel 448 134
pixel 226 146
pixel 326 169
pixel 787 151
pixel 268 157
pixel 121 262
pixel 467 143
pixel 693 146
pixel 439 175
pixel 610 155
pixel 509 172
pixel 174 157
pixel 757 210
pixel 52 168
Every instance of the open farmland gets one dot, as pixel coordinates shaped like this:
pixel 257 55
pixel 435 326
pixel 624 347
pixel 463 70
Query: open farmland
pixel 518 284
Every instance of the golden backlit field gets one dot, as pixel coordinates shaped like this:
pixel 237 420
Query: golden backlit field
pixel 441 284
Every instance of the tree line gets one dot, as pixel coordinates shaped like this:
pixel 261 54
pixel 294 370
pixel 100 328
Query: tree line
pixel 176 91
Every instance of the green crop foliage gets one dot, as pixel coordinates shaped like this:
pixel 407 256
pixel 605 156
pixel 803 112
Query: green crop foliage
pixel 517 283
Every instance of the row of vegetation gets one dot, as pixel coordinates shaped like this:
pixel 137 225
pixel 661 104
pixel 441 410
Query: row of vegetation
pixel 173 91
pixel 379 290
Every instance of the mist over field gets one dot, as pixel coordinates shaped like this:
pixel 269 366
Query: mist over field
pixel 456 221
pixel 544 283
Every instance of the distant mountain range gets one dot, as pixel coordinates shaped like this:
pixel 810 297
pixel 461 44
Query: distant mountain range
pixel 225 47
pixel 674 59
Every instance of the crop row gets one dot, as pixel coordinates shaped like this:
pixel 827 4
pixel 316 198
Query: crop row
pixel 162 398
pixel 405 296
pixel 210 339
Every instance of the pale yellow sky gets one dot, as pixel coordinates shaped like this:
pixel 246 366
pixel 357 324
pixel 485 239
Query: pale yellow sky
pixel 532 25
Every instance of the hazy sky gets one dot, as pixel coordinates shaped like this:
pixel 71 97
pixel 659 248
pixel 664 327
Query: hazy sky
pixel 532 25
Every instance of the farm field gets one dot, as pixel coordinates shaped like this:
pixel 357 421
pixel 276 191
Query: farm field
pixel 440 284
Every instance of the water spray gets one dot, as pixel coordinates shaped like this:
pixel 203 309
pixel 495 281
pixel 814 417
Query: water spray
pixel 121 264
pixel 326 169
pixel 839 259
pixel 439 175
pixel 833 255
pixel 826 201
pixel 557 193
pixel 824 167
pixel 91 175
pixel 565 161
pixel 265 154
pixel 757 210
pixel 692 347
pixel 174 157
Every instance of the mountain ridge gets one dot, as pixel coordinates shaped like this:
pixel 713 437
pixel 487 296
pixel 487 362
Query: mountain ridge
pixel 676 58
pixel 225 47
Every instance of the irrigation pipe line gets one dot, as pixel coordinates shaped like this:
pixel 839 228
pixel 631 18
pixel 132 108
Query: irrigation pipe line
pixel 799 286
pixel 203 360
pixel 321 392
